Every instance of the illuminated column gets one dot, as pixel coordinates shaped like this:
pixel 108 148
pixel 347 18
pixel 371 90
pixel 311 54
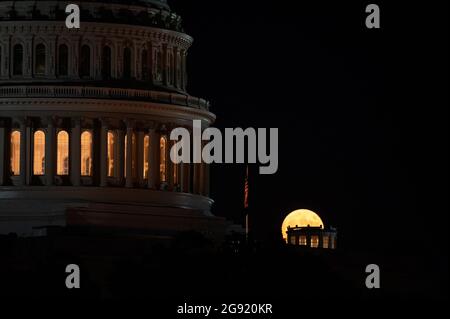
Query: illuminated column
pixel 120 154
pixel 140 157
pixel 170 166
pixel 321 239
pixel 2 152
pixel 153 158
pixel 23 152
pixel 129 155
pixel 75 152
pixel 50 152
pixel 104 153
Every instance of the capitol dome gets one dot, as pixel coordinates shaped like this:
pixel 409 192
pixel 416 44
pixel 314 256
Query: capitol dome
pixel 85 118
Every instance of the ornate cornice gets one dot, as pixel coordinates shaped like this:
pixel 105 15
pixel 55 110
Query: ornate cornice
pixel 142 33
pixel 103 108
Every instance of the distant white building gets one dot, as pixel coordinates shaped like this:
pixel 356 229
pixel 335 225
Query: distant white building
pixel 85 116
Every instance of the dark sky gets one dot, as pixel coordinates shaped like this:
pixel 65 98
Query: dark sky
pixel 363 114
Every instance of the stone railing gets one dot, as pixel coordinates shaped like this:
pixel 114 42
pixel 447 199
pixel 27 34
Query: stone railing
pixel 102 93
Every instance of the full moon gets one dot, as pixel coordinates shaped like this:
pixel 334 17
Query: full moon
pixel 301 218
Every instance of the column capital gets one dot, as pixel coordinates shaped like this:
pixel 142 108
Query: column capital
pixel 152 125
pixel 105 122
pixel 130 123
pixel 76 121
pixel 50 120
pixel 163 128
pixel 22 120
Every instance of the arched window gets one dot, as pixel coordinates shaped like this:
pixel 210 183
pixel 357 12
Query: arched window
pixel 111 153
pixel 63 60
pixel 62 165
pixel 106 62
pixel 133 156
pixel 18 59
pixel 15 153
pixel 163 159
pixel 302 240
pixel 39 153
pixel 39 66
pixel 127 63
pixel 146 153
pixel 86 153
pixel 85 61
pixel 145 66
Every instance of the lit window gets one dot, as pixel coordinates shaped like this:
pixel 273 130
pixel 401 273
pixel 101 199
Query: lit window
pixel 314 241
pixel 63 60
pixel 86 153
pixel 163 159
pixel 146 153
pixel 15 153
pixel 39 67
pixel 293 241
pixel 325 242
pixel 176 167
pixel 111 153
pixel 85 63
pixel 18 60
pixel 63 153
pixel 39 153
pixel 302 240
pixel 133 156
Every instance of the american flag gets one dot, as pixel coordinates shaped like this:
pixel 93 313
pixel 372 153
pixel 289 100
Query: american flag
pixel 246 190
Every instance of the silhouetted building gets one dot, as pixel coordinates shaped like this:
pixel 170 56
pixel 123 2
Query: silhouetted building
pixel 312 237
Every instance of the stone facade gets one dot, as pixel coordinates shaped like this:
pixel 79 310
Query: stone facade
pixel 67 93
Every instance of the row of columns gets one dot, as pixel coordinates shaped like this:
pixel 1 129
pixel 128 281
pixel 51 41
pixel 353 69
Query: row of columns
pixel 191 178
pixel 172 58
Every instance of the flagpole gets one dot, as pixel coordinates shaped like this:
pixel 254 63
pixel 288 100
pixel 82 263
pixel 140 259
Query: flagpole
pixel 246 193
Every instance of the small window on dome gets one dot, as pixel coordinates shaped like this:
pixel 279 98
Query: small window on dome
pixel 127 63
pixel 63 60
pixel 40 56
pixel 85 63
pixel 18 59
pixel 106 62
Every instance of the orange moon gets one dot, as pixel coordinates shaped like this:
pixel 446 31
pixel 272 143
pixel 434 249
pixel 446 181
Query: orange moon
pixel 301 218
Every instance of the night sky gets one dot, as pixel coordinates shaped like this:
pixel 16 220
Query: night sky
pixel 363 114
